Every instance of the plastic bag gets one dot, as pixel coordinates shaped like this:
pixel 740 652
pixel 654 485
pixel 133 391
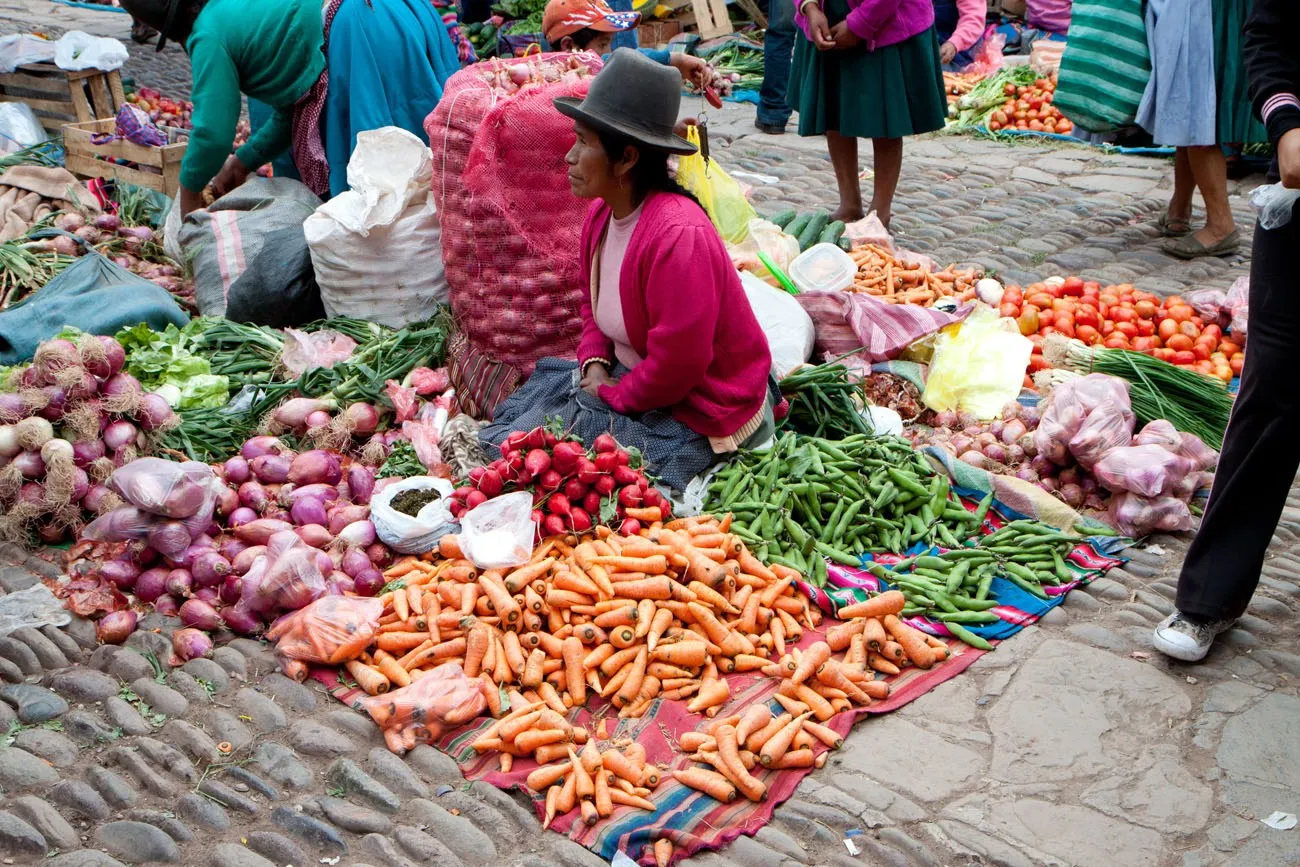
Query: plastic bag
pixel 442 699
pixel 1136 516
pixel 79 50
pixel 499 533
pixel 788 328
pixel 1161 433
pixel 988 59
pixel 1274 203
pixel 123 524
pixel 1193 449
pixel 285 578
pixel 330 631
pixel 717 191
pixel 981 369
pixel 1108 426
pixel 19 127
pixel 1210 304
pixel 767 238
pixel 1150 470
pixel 19 49
pixel 166 488
pixel 325 348
pixel 1239 306
pixel 364 240
pixel 1068 406
pixel 413 535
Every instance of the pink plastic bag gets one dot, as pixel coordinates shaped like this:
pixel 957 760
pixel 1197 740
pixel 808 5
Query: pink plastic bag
pixel 123 524
pixel 1150 471
pixel 166 488
pixel 1136 516
pixel 989 57
pixel 1211 304
pixel 1070 405
pixel 324 348
pixel 845 322
pixel 1196 451
pixel 1107 427
pixel 1238 305
pixel 1159 433
pixel 285 578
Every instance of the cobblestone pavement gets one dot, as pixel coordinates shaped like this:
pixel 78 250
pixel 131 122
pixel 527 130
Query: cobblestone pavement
pixel 1073 744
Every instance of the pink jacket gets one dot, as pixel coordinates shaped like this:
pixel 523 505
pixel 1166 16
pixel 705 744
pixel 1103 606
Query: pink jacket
pixel 971 15
pixel 881 22
pixel 687 315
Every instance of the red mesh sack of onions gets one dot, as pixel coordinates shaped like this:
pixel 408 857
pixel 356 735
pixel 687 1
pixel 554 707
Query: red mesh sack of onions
pixel 510 225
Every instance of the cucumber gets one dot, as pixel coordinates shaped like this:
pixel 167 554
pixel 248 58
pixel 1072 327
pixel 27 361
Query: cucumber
pixel 813 229
pixel 796 226
pixel 845 244
pixel 832 233
pixel 783 218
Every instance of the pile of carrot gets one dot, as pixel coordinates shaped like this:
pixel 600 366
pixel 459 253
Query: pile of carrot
pixel 596 782
pixel 883 275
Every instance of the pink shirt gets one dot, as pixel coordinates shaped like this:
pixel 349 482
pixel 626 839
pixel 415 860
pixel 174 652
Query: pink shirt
pixel 881 22
pixel 1050 15
pixel 970 23
pixel 609 305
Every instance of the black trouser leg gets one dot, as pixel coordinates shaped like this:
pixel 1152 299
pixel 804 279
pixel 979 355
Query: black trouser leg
pixel 1260 451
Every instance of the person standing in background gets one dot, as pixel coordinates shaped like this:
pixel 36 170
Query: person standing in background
pixel 778 49
pixel 1258 464
pixel 959 24
pixel 1045 19
pixel 867 69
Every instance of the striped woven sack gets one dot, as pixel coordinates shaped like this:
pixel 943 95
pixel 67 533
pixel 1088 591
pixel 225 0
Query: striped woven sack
pixel 1105 66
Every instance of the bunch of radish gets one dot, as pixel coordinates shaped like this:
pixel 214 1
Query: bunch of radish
pixel 226 566
pixel 67 421
pixel 1006 446
pixel 572 487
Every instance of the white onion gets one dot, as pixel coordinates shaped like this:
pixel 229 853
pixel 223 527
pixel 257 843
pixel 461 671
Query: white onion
pixel 55 449
pixel 9 441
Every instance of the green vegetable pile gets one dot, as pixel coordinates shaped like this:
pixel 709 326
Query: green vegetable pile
pixel 953 587
pixel 806 499
pixel 171 363
pixel 402 463
pixel 825 400
pixel 973 109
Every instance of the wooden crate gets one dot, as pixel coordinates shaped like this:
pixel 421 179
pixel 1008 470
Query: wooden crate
pixel 59 96
pixel 708 17
pixel 656 34
pixel 157 168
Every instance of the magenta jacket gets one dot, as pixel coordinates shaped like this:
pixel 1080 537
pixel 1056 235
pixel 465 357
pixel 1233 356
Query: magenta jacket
pixel 881 22
pixel 687 315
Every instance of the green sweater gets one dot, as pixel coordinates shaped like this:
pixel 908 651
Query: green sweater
pixel 271 50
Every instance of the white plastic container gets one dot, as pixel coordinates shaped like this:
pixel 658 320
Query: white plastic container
pixel 823 268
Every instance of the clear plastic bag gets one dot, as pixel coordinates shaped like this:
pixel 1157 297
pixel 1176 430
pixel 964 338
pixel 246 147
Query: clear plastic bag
pixel 166 488
pixel 407 534
pixel 1202 456
pixel 1136 516
pixel 441 699
pixel 1107 427
pixel 1239 306
pixel 1150 470
pixel 981 369
pixel 1068 407
pixel 1274 203
pixel 499 533
pixel 719 193
pixel 1159 433
pixel 1211 304
pixel 325 348
pixel 123 524
pixel 19 127
pixel 285 578
pixel 330 631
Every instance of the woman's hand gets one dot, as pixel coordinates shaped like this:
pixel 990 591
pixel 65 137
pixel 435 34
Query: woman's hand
pixel 947 52
pixel 190 201
pixel 596 376
pixel 1288 159
pixel 694 70
pixel 818 27
pixel 232 174
pixel 844 37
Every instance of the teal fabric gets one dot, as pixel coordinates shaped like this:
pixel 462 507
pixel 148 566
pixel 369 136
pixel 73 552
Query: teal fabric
pixel 388 62
pixel 260 113
pixel 92 294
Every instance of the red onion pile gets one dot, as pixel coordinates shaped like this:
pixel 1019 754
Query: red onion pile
pixel 127 250
pixel 269 531
pixel 66 422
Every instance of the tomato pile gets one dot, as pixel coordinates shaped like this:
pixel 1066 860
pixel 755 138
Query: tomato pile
pixel 573 489
pixel 163 110
pixel 1030 107
pixel 1122 317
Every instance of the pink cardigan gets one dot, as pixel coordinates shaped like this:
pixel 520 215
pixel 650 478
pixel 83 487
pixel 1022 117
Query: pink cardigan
pixel 971 17
pixel 687 315
pixel 881 22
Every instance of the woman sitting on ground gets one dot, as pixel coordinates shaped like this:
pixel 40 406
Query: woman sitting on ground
pixel 672 358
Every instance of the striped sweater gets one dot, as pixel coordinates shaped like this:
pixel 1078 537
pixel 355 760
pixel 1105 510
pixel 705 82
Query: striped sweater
pixel 1274 64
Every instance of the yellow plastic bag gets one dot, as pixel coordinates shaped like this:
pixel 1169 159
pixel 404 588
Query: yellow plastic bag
pixel 717 191
pixel 980 368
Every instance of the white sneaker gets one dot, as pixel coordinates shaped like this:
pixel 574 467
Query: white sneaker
pixel 1181 637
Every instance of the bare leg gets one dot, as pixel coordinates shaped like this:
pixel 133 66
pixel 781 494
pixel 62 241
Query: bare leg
pixel 888 157
pixel 1180 204
pixel 844 157
pixel 1210 168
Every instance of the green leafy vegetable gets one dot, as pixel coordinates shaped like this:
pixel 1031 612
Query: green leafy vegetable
pixel 164 362
pixel 402 462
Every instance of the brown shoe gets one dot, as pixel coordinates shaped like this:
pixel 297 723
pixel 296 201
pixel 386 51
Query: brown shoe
pixel 1188 248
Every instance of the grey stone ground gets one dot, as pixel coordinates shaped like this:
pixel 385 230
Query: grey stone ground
pixel 1072 744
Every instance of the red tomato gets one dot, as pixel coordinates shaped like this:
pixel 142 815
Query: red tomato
pixel 1123 314
pixel 1236 364
pixel 1229 348
pixel 1145 344
pixel 1116 341
pixel 1184 356
pixel 1145 309
pixel 1037 362
pixel 1128 329
pixel 1167 329
pixel 1213 330
pixel 1009 310
pixel 1087 333
pixel 1041 300
pixel 1145 327
pixel 1179 342
pixel 1201 351
pixel 1072 286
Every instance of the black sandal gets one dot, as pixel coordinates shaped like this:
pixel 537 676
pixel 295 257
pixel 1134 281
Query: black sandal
pixel 1173 228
